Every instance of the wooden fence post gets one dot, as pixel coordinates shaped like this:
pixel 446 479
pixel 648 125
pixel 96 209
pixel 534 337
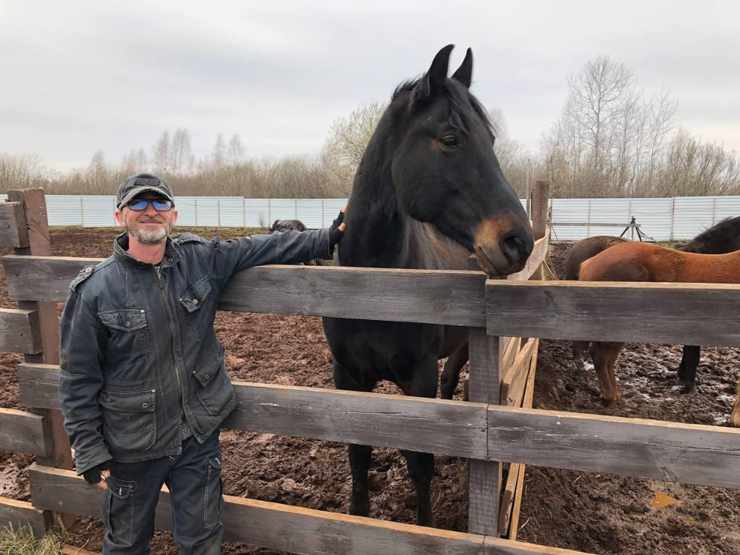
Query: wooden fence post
pixel 540 198
pixel 33 205
pixel 540 214
pixel 484 478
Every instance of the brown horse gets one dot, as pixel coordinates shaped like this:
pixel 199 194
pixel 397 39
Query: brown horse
pixel 649 262
pixel 721 238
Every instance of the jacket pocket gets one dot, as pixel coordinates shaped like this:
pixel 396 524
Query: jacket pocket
pixel 127 319
pixel 214 389
pixel 196 295
pixel 129 419
pixel 128 330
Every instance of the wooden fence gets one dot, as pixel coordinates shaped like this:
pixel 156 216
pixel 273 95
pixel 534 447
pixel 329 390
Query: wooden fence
pixel 485 430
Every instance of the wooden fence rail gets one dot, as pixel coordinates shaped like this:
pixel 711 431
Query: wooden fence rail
pixel 22 432
pixel 674 313
pixel 651 449
pixel 310 531
pixel 18 331
pixel 450 297
pixel 640 312
pixel 21 513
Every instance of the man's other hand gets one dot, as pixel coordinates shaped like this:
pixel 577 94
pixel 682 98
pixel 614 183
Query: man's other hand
pixel 95 474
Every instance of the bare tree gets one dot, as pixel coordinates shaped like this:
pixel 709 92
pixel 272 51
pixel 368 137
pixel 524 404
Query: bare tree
pixel 346 144
pixel 218 157
pixel 609 137
pixel 180 151
pixel 97 172
pixel 235 153
pixel 20 171
pixel 161 153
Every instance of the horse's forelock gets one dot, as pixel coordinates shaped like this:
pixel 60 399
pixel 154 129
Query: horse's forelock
pixel 462 102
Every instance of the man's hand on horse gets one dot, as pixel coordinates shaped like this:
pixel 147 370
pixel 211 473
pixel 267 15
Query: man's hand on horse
pixel 336 231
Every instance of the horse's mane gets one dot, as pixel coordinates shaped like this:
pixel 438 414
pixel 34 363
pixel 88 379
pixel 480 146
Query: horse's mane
pixel 727 229
pixel 459 98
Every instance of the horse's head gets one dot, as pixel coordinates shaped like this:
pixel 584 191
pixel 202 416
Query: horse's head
pixel 287 225
pixel 445 171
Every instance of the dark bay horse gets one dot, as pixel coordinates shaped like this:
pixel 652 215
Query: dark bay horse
pixel 287 225
pixel 649 262
pixel 428 192
pixel 722 237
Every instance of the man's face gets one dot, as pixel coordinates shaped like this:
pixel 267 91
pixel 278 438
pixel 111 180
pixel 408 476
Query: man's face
pixel 148 226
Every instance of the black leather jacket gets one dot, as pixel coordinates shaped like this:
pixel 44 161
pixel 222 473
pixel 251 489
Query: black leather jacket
pixel 139 355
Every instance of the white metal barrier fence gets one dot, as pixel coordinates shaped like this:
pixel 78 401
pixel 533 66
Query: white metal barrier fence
pixel 664 219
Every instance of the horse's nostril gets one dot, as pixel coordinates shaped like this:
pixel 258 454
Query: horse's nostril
pixel 517 247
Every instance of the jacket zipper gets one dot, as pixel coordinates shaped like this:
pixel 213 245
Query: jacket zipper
pixel 173 332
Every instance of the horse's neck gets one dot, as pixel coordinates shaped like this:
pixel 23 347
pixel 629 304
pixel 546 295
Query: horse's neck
pixel 379 234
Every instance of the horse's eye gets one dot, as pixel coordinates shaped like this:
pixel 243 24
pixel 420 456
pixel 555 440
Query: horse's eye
pixel 449 141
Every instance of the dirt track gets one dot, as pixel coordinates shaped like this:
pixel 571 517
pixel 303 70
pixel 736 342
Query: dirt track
pixel 589 512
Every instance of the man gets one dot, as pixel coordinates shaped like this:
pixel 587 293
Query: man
pixel 143 387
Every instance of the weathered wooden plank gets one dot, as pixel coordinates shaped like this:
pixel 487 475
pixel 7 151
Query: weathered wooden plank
pixel 535 260
pixel 613 311
pixel 33 202
pixel 264 524
pixel 38 385
pixel 449 297
pixel 18 331
pixel 21 513
pixel 72 550
pixel 540 202
pixel 666 451
pixel 517 507
pixel 33 205
pixel 708 455
pixel 418 424
pixel 519 486
pixel 13 231
pixel 414 423
pixel 432 297
pixel 484 478
pixel 507 497
pixel 42 278
pixel 512 386
pixel 507 359
pixel 22 432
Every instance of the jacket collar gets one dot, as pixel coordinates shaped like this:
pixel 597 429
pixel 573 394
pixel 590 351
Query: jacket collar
pixel 120 251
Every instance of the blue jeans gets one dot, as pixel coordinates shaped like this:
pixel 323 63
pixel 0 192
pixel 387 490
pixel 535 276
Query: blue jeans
pixel 196 501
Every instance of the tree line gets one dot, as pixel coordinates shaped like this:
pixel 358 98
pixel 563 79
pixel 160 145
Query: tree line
pixel 611 139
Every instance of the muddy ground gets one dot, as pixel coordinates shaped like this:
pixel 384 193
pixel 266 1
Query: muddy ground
pixel 589 512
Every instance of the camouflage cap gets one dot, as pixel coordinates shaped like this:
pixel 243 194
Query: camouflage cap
pixel 142 183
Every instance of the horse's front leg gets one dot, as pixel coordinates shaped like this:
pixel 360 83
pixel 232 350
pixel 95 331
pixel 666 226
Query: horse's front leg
pixel 359 455
pixel 421 465
pixel 605 357
pixel 687 369
pixel 451 373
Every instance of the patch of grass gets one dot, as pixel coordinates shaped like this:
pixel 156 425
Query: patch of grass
pixel 19 540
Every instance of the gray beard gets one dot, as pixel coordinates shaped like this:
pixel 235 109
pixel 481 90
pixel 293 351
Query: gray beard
pixel 150 237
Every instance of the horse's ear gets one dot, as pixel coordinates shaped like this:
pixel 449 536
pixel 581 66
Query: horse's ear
pixel 435 77
pixel 464 73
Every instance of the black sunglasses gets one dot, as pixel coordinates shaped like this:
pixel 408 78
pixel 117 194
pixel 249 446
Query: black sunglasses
pixel 159 204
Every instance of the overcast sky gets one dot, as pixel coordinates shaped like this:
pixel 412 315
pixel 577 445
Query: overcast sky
pixel 80 76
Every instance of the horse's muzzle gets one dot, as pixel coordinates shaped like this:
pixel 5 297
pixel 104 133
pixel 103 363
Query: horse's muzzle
pixel 502 245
